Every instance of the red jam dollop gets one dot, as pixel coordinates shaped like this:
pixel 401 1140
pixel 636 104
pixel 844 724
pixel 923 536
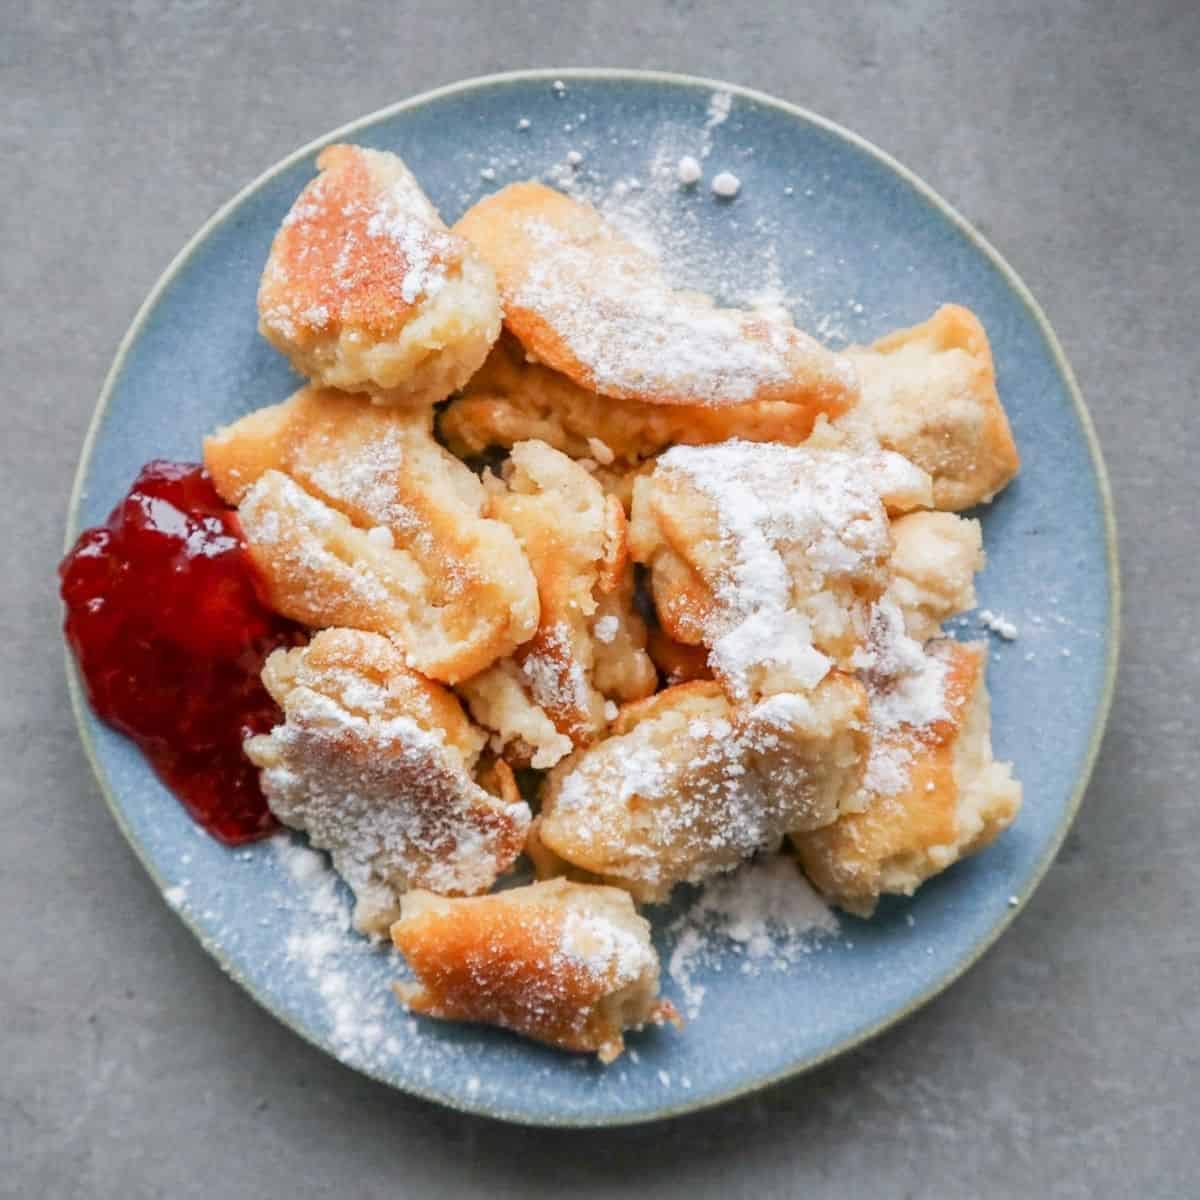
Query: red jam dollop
pixel 165 619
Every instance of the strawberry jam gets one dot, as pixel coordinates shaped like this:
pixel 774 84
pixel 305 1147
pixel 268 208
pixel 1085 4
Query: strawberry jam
pixel 164 616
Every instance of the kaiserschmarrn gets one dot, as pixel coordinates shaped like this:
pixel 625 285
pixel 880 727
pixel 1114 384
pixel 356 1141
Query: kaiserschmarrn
pixel 636 591
pixel 929 393
pixel 941 797
pixel 769 556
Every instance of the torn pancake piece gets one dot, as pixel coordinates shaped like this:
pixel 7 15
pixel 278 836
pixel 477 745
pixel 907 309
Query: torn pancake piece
pixel 563 963
pixel 590 643
pixel 355 516
pixel 687 786
pixel 500 700
pixel 769 556
pixel 366 290
pixel 934 795
pixel 929 393
pixel 374 763
pixel 512 398
pixel 586 301
pixel 935 556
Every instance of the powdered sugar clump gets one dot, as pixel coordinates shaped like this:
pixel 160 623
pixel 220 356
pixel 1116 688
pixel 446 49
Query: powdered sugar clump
pixel 782 513
pixel 999 625
pixel 907 689
pixel 688 170
pixel 606 628
pixel 765 913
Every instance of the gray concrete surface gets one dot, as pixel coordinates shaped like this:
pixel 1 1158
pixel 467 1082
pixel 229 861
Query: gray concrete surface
pixel 1065 1064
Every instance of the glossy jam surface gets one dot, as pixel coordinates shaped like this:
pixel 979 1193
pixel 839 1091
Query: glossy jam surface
pixel 165 620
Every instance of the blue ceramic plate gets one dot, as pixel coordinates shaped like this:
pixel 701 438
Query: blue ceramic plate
pixel 857 246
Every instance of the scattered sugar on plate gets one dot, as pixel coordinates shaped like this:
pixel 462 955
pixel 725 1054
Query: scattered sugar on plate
pixel 661 217
pixel 322 946
pixel 574 158
pixel 765 912
pixel 720 105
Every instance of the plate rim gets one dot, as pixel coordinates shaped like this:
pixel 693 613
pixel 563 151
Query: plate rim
pixel 933 198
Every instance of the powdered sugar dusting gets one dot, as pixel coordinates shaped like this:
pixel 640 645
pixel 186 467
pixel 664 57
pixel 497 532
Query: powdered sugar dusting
pixel 764 914
pixel 782 513
pixel 605 948
pixel 391 800
pixel 654 342
pixel 907 689
pixel 317 947
pixel 404 216
pixel 369 480
pixel 556 677
pixel 720 104
pixel 696 788
pixel 361 239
